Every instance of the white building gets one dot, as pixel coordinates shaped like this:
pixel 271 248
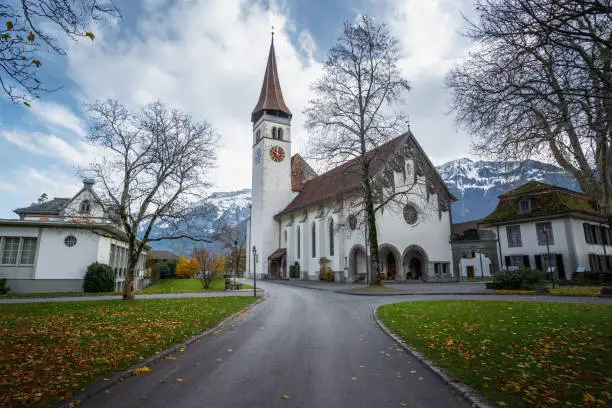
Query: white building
pixel 530 216
pixel 50 247
pixel 299 218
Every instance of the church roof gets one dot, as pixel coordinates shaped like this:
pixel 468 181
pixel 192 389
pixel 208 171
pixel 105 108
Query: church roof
pixel 301 172
pixel 271 96
pixel 346 178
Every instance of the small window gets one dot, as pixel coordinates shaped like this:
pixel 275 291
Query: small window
pixel 299 242
pixel 545 233
pixel 257 136
pixel 513 233
pixel 352 221
pixel 524 205
pixel 411 215
pixel 314 240
pixel 85 207
pixel 273 133
pixel 331 237
pixel 280 133
pixel 70 241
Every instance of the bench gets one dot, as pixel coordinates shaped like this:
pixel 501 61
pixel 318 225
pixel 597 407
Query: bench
pixel 235 286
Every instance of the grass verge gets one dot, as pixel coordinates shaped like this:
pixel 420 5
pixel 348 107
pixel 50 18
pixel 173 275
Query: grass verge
pixel 51 351
pixel 562 291
pixel 55 295
pixel 516 354
pixel 187 286
pixel 375 287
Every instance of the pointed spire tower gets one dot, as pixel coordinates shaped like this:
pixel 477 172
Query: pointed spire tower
pixel 271 171
pixel 271 96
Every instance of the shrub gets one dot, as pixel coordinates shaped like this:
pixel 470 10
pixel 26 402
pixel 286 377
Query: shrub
pixel 99 278
pixel 165 271
pixel 159 271
pixel 171 264
pixel 509 280
pixel 3 288
pixel 532 278
pixel 326 274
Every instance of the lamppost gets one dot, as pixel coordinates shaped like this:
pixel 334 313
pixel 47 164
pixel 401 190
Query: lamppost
pixel 254 271
pixel 548 258
pixel 236 255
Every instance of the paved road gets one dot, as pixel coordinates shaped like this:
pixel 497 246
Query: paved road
pixel 320 349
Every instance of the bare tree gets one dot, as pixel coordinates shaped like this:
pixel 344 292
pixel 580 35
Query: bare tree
pixel 156 167
pixel 207 265
pixel 233 239
pixel 352 114
pixel 23 38
pixel 539 83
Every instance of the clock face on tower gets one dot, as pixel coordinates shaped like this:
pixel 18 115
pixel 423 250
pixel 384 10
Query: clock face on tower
pixel 277 153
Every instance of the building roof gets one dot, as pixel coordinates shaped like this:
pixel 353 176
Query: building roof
pixel 546 200
pixel 301 172
pixel 271 96
pixel 461 227
pixel 51 207
pixel 162 255
pixel 346 178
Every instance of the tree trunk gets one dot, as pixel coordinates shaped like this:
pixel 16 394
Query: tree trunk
pixel 372 234
pixel 130 275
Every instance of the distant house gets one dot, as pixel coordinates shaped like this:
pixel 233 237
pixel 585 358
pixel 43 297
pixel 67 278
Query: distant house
pixel 537 218
pixel 50 246
pixel 474 250
pixel 161 256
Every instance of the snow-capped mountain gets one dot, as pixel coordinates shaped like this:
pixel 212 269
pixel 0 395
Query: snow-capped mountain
pixel 477 184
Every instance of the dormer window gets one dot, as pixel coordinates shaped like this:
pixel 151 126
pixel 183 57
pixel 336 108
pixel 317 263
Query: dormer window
pixel 524 205
pixel 85 207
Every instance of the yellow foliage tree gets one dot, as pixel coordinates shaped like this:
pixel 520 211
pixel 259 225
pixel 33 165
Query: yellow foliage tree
pixel 194 267
pixel 182 268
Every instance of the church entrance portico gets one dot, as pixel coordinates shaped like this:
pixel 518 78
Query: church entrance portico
pixel 277 264
pixel 357 264
pixel 389 258
pixel 414 262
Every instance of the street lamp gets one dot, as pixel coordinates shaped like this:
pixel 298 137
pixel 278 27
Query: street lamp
pixel 548 258
pixel 236 255
pixel 254 271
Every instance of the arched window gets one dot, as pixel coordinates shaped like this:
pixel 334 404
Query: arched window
pixel 85 207
pixel 299 242
pixel 280 133
pixel 331 237
pixel 258 135
pixel 273 133
pixel 314 240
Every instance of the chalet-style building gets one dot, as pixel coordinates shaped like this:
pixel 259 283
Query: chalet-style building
pixel 50 246
pixel 537 218
pixel 301 220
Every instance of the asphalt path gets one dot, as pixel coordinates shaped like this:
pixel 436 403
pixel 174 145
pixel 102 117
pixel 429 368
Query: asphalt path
pixel 298 348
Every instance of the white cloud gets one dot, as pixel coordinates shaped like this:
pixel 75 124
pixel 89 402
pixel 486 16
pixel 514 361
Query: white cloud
pixel 7 186
pixel 80 154
pixel 205 57
pixel 58 116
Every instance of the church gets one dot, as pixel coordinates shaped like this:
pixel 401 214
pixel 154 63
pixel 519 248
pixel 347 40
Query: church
pixel 302 222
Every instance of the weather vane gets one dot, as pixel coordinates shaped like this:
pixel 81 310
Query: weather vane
pixel 272 33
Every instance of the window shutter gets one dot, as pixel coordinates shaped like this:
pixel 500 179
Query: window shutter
pixel 593 262
pixel 587 232
pixel 560 267
pixel 526 261
pixel 507 260
pixel 538 262
pixel 604 235
pixel 609 262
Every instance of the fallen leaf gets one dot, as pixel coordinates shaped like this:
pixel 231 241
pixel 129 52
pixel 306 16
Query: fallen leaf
pixel 285 396
pixel 354 378
pixel 179 380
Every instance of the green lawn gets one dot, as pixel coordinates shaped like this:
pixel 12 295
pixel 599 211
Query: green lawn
pixel 186 286
pixel 51 351
pixel 477 279
pixel 374 287
pixel 54 295
pixel 559 291
pixel 517 354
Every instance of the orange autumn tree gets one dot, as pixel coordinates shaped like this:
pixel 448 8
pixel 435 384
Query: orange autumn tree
pixel 182 268
pixel 194 267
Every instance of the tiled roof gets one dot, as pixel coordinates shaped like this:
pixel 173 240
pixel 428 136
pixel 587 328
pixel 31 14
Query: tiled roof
pixel 162 255
pixel 461 227
pixel 546 200
pixel 271 96
pixel 301 172
pixel 51 207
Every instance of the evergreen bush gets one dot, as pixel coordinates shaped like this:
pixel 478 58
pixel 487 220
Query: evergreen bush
pixel 99 278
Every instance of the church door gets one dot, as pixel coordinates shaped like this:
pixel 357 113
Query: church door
pixel 391 267
pixel 470 271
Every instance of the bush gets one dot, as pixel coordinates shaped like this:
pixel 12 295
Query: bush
pixel 166 271
pixel 519 279
pixel 159 271
pixel 3 288
pixel 326 274
pixel 171 264
pixel 99 278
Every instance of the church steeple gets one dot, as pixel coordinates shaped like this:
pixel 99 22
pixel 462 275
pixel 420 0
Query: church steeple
pixel 271 97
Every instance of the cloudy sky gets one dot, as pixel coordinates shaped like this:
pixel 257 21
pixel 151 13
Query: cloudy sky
pixel 208 57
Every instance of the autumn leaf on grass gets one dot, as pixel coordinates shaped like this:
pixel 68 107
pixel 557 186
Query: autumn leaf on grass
pixel 285 396
pixel 179 380
pixel 218 360
pixel 354 378
pixel 412 371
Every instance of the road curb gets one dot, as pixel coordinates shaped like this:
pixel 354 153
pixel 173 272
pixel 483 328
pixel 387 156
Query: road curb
pixel 103 385
pixel 393 293
pixel 466 392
